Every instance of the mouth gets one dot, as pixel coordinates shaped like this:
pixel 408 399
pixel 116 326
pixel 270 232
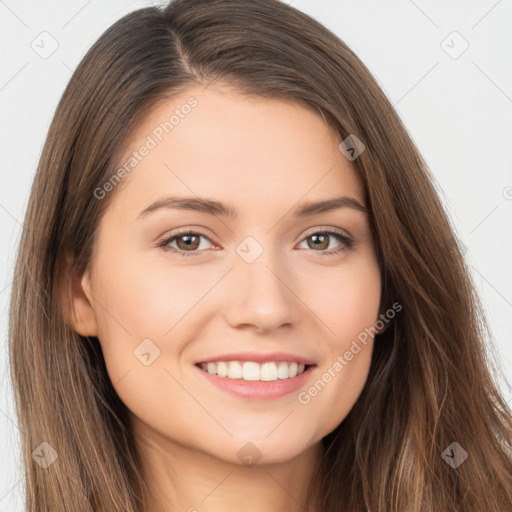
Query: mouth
pixel 258 376
pixel 254 371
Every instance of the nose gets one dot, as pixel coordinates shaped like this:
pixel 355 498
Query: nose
pixel 259 295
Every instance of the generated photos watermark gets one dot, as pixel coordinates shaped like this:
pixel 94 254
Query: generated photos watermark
pixel 304 397
pixel 152 141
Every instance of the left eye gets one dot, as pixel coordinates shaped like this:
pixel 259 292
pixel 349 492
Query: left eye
pixel 321 240
pixel 189 242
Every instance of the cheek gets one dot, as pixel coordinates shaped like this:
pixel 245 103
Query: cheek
pixel 158 295
pixel 141 305
pixel 341 377
pixel 335 390
pixel 137 300
pixel 349 312
pixel 147 314
pixel 346 300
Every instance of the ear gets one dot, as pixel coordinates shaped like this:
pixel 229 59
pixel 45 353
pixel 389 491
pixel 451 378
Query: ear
pixel 386 324
pixel 80 313
pixel 380 331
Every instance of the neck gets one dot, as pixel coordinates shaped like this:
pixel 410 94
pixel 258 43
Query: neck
pixel 180 477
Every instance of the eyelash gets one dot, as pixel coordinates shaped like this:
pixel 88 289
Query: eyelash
pixel 346 242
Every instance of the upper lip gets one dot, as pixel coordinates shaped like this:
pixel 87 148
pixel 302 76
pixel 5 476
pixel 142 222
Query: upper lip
pixel 258 357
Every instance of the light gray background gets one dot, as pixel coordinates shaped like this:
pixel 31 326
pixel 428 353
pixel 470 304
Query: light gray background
pixel 458 111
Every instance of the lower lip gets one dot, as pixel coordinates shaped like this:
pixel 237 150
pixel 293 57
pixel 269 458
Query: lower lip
pixel 256 389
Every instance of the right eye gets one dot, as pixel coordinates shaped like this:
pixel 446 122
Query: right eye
pixel 188 243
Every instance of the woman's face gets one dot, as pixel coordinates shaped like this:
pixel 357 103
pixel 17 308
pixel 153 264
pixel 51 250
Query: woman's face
pixel 204 256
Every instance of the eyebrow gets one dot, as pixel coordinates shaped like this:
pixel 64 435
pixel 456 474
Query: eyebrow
pixel 212 207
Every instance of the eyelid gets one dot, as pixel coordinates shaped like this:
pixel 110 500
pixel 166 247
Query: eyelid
pixel 311 231
pixel 162 241
pixel 322 229
pixel 188 230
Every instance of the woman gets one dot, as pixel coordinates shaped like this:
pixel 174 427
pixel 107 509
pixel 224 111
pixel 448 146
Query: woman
pixel 237 288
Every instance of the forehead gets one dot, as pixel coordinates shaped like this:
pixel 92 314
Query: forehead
pixel 252 151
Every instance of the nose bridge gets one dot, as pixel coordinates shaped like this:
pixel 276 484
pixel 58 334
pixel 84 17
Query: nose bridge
pixel 259 292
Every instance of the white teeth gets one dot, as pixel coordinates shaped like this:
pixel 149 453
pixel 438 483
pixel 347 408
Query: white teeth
pixel 269 371
pixel 249 370
pixel 235 370
pixel 282 370
pixel 222 369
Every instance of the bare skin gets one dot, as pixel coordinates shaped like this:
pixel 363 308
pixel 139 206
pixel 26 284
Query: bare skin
pixel 265 158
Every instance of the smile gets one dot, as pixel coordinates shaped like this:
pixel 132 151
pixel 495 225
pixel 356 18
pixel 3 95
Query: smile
pixel 264 380
pixel 253 371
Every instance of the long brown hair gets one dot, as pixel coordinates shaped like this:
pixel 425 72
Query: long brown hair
pixel 432 380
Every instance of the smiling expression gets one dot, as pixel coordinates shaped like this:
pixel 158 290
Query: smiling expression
pixel 220 289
